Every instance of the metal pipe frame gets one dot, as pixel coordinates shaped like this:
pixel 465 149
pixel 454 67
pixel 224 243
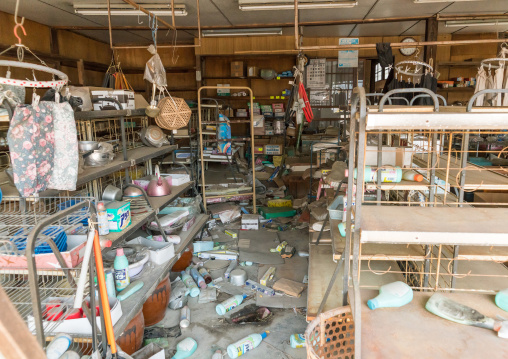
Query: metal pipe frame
pixel 409 90
pixel 441 97
pixel 169 26
pixel 253 160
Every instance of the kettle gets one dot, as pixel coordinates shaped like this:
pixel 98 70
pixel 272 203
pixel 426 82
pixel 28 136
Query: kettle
pixel 158 186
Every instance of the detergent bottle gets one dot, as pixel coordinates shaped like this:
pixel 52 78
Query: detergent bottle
pixel 246 344
pixel 394 294
pixel 229 304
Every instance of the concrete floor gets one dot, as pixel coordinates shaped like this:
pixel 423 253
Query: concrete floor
pixel 213 332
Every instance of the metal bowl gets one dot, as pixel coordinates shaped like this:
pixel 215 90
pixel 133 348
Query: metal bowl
pixel 97 159
pixel 88 145
pixel 132 192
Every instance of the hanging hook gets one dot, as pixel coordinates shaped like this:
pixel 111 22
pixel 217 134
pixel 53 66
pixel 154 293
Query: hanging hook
pixel 16 32
pixel 139 8
pixel 16 16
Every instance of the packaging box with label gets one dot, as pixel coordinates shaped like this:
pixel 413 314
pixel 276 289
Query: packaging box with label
pixel 237 69
pixel 273 149
pixel 125 97
pixel 253 71
pixel 291 131
pixel 250 221
pixel 223 90
pixel 259 150
pixel 119 215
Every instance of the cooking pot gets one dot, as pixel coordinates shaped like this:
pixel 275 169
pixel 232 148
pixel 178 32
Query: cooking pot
pixel 112 193
pixel 158 186
pixel 88 145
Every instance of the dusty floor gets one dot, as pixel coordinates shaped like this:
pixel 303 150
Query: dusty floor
pixel 213 332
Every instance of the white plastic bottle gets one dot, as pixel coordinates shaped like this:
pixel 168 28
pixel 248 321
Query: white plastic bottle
pixel 217 355
pixel 387 174
pixel 392 295
pixel 229 304
pixel 412 176
pixel 60 343
pixel 246 344
pixel 102 219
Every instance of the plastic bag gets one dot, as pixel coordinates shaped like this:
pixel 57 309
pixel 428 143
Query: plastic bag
pixel 178 296
pixel 154 69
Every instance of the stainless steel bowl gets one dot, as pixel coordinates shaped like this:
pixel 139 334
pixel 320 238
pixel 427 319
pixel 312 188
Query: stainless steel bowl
pixel 112 193
pixel 97 158
pixel 88 145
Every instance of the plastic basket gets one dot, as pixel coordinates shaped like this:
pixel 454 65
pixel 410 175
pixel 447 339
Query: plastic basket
pixel 331 335
pixel 174 113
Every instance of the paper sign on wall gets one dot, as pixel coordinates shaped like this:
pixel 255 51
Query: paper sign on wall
pixel 348 58
pixel 316 73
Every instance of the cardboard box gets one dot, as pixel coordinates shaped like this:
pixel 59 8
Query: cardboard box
pixel 291 131
pixel 125 97
pixel 289 287
pixel 252 71
pixel 490 197
pixel 119 215
pixel 261 141
pixel 250 221
pixel 273 149
pixel 260 131
pixel 259 150
pixel 237 69
pixel 182 132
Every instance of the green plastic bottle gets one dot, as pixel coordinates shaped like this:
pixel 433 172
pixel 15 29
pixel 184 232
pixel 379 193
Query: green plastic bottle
pixel 502 299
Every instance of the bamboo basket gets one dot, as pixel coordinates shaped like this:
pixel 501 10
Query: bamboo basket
pixel 331 335
pixel 174 113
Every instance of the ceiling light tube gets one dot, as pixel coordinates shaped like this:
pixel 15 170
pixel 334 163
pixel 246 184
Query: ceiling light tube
pixel 492 22
pixel 242 32
pixel 434 1
pixel 301 6
pixel 125 9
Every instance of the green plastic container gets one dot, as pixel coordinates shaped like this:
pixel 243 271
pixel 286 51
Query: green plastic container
pixel 275 212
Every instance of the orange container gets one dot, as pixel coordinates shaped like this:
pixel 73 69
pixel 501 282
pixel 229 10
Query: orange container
pixel 154 308
pixel 184 261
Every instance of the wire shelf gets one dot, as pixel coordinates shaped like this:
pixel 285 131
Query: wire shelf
pixel 18 216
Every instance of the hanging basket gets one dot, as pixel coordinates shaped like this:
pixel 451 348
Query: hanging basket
pixel 174 113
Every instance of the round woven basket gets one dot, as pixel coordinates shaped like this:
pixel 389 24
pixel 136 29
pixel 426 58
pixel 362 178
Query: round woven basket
pixel 331 335
pixel 174 113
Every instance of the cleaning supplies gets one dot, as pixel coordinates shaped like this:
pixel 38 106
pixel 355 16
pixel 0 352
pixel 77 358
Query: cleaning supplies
pixel 412 176
pixel 189 283
pixel 130 290
pixel 185 348
pixel 297 341
pixel 184 317
pixel 197 278
pixel 60 343
pixel 102 219
pixel 246 344
pixel 392 174
pixel 502 299
pixel 446 308
pixel 121 265
pixel 206 276
pixel 229 304
pixel 392 295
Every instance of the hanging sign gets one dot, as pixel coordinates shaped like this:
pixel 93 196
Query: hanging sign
pixel 316 73
pixel 348 58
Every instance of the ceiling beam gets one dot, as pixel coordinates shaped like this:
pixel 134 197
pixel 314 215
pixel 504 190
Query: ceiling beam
pixel 291 24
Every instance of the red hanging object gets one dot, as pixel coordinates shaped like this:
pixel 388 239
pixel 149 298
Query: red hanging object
pixel 307 110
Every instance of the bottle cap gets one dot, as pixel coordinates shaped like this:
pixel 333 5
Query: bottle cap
pixel 264 334
pixel 119 252
pixel 100 206
pixel 244 296
pixel 418 178
pixel 373 303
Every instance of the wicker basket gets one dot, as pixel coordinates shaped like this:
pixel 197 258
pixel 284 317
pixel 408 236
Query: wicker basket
pixel 174 113
pixel 331 335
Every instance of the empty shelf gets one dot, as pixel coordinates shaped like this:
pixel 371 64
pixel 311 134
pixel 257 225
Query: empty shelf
pixel 434 225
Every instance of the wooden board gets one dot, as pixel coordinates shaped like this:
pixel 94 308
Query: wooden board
pixel 477 178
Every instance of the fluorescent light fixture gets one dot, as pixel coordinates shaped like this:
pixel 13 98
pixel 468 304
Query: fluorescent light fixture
pixel 463 23
pixel 245 6
pixel 242 32
pixel 433 1
pixel 126 9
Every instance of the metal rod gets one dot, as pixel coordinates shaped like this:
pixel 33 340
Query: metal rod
pixel 142 9
pixel 124 142
pixel 109 25
pixel 330 285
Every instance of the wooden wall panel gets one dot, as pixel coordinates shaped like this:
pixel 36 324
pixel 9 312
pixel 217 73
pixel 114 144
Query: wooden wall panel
pixel 37 35
pixel 75 46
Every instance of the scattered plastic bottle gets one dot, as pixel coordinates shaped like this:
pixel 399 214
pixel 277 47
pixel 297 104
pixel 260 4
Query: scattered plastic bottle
pixel 246 344
pixel 217 355
pixel 121 266
pixel 102 219
pixel 190 284
pixel 197 278
pixel 342 228
pixel 184 317
pixel 206 276
pixel 229 304
pixel 58 346
pixel 297 341
pixel 412 176
pixel 387 174
pixel 392 295
pixel 185 348
pixel 502 299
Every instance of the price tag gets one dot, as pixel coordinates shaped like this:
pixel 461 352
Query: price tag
pixel 278 78
pixel 277 97
pixel 282 97
pixel 272 97
pixel 253 98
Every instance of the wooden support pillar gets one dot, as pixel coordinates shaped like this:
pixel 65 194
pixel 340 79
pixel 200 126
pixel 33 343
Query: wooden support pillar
pixel 431 32
pixel 81 72
pixel 54 47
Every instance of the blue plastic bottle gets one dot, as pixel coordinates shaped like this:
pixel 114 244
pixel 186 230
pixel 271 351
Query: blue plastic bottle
pixel 197 277
pixel 502 299
pixel 190 284
pixel 246 344
pixel 392 295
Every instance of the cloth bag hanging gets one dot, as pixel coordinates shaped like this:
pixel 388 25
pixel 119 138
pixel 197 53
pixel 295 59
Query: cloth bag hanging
pixel 66 158
pixel 31 140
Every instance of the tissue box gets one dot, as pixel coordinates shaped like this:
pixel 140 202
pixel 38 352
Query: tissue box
pixel 119 215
